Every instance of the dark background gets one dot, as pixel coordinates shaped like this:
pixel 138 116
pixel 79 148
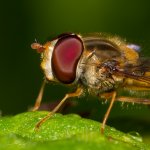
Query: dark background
pixel 21 22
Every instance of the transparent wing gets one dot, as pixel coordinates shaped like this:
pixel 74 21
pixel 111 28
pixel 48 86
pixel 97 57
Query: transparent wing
pixel 140 72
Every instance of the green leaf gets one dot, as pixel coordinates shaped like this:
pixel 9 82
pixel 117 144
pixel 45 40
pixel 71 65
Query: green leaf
pixel 62 132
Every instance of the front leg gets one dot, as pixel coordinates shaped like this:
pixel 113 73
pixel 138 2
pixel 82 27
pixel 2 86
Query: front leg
pixel 78 92
pixel 39 97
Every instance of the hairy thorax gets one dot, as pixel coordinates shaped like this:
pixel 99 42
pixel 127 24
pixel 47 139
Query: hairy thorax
pixel 96 78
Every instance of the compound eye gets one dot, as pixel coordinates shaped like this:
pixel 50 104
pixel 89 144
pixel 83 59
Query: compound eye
pixel 66 55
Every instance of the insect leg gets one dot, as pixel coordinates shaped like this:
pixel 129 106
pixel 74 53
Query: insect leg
pixel 106 95
pixel 39 97
pixel 144 101
pixel 78 92
pixel 133 100
pixel 108 111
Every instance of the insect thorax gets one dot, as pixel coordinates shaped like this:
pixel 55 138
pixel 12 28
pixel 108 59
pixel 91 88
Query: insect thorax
pixel 95 77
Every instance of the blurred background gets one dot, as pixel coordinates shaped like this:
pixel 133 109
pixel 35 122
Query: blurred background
pixel 21 22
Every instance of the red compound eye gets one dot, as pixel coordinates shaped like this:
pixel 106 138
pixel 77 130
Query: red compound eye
pixel 66 54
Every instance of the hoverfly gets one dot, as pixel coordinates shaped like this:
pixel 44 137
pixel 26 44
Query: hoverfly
pixel 96 63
